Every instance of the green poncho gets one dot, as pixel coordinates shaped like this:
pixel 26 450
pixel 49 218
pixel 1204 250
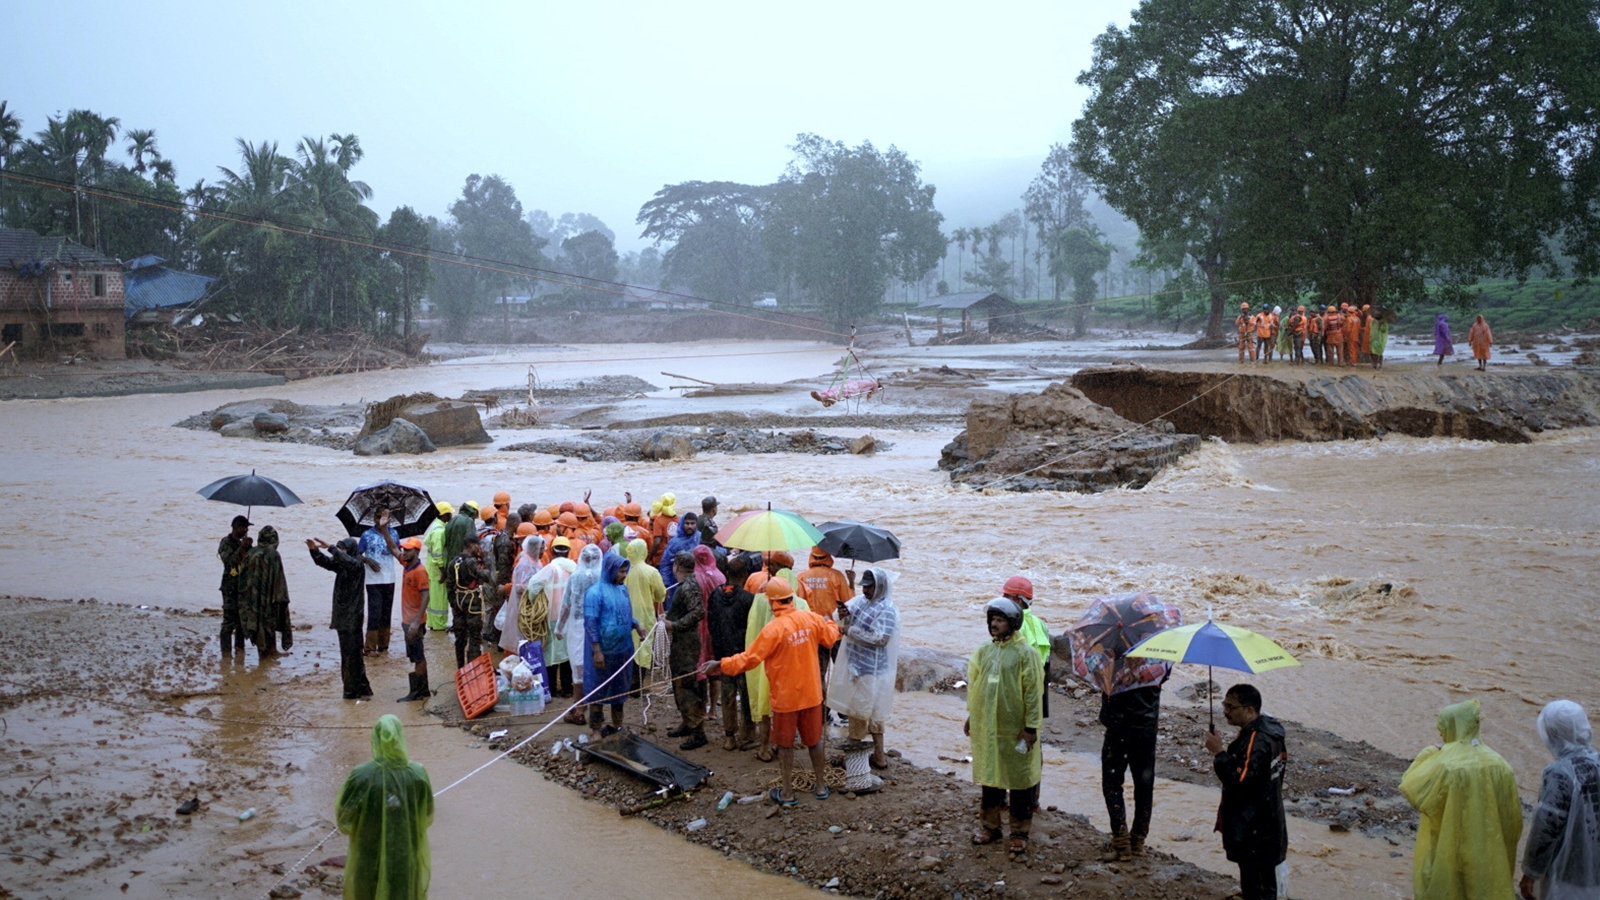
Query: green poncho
pixel 386 806
pixel 1378 337
pixel 263 592
pixel 1471 814
pixel 1004 695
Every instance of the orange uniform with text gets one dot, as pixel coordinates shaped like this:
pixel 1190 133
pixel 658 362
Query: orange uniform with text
pixel 788 645
pixel 822 586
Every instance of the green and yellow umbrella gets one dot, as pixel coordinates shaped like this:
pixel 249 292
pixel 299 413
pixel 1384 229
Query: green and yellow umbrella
pixel 1210 644
pixel 769 530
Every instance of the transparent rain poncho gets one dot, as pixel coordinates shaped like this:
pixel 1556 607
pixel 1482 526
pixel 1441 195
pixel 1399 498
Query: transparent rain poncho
pixel 861 682
pixel 1563 851
pixel 570 620
pixel 1471 814
pixel 1005 694
pixel 386 806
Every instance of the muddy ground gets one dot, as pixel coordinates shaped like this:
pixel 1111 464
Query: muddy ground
pixel 912 839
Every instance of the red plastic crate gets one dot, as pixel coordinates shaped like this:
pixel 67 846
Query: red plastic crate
pixel 475 687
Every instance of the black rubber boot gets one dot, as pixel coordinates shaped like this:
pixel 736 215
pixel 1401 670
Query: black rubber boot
pixel 697 739
pixel 419 688
pixel 227 644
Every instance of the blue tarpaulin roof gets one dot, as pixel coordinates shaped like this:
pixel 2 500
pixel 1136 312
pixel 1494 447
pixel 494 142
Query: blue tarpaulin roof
pixel 158 287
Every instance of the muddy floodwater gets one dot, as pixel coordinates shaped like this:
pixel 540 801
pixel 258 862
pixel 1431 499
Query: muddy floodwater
pixel 1489 551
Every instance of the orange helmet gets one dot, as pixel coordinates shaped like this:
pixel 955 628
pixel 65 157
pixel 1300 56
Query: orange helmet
pixel 501 498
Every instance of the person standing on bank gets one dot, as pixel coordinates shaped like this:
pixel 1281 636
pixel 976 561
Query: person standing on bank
pixel 1562 860
pixel 1255 835
pixel 413 617
pixel 264 596
pixel 380 550
pixel 231 550
pixel 1004 708
pixel 348 580
pixel 685 614
pixel 1131 719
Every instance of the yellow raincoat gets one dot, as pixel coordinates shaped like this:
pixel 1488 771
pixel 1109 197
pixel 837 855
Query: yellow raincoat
pixel 433 560
pixel 647 592
pixel 1471 814
pixel 755 680
pixel 1005 692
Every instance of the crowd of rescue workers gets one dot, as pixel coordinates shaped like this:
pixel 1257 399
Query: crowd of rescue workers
pixel 1341 335
pixel 775 656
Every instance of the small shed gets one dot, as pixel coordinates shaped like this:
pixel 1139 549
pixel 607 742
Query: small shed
pixel 56 292
pixel 999 312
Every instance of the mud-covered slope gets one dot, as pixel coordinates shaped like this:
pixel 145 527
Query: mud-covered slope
pixel 1258 406
pixel 1058 440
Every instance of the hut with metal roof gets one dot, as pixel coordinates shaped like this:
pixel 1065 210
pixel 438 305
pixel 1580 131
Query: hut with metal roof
pixel 56 294
pixel 997 311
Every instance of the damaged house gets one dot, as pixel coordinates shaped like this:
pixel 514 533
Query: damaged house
pixel 56 294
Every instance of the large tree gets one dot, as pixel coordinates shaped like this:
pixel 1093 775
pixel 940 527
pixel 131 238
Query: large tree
pixel 715 229
pixel 844 221
pixel 1361 150
pixel 408 234
pixel 490 227
pixel 1080 254
pixel 1054 203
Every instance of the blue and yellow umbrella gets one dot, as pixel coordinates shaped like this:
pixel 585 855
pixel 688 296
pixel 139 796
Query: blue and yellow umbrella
pixel 1209 644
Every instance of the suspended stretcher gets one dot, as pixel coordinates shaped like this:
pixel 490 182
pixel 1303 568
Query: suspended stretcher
pixel 851 382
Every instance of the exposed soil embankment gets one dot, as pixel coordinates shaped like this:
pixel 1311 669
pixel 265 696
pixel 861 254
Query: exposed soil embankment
pixel 1298 405
pixel 1058 439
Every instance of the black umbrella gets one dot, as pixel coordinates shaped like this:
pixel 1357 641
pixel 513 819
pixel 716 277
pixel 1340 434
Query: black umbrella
pixel 249 491
pixel 411 510
pixel 858 540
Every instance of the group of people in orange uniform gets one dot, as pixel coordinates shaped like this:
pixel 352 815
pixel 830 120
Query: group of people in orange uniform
pixel 1341 335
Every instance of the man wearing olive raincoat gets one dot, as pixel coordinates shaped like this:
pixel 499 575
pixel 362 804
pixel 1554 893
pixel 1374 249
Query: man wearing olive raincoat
pixel 1471 814
pixel 386 806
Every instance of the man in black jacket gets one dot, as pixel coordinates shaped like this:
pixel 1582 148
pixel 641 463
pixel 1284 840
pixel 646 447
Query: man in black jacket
pixel 1130 719
pixel 349 582
pixel 231 550
pixel 729 614
pixel 1254 833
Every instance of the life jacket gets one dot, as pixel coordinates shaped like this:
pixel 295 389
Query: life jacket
pixel 1264 324
pixel 1242 323
pixel 1314 326
pixel 1334 326
pixel 1297 323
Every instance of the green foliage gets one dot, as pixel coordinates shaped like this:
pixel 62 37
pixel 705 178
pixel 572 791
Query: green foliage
pixel 715 227
pixel 844 221
pixel 1054 204
pixel 1358 151
pixel 409 234
pixel 1080 254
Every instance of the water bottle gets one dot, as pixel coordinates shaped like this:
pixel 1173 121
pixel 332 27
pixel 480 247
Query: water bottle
pixel 248 814
pixel 1022 746
pixel 696 825
pixel 723 803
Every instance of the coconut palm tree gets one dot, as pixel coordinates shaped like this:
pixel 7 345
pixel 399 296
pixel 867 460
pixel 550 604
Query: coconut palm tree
pixel 141 143
pixel 10 139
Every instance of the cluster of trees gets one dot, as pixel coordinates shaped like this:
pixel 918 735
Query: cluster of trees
pixel 1377 152
pixel 262 227
pixel 837 228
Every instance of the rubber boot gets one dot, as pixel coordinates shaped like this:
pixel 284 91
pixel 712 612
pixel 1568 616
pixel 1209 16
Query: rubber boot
pixel 383 641
pixel 419 688
pixel 288 639
pixel 227 644
pixel 238 641
pixel 1136 844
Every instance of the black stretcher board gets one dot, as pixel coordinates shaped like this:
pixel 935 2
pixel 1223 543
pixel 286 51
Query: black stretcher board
pixel 638 756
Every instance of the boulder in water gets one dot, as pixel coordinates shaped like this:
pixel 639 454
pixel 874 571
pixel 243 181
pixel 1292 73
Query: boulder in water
pixel 399 436
pixel 270 423
pixel 242 428
pixel 666 445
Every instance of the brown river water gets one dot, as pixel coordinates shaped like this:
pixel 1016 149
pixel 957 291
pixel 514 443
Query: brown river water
pixel 1491 551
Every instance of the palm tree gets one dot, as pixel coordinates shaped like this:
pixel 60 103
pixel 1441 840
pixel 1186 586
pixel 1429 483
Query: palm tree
pixel 960 236
pixel 162 169
pixel 10 138
pixel 94 135
pixel 141 143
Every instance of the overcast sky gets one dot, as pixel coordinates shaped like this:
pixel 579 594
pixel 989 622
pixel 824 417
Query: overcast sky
pixel 583 108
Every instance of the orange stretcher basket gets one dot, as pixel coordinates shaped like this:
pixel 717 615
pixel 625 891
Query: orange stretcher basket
pixel 475 687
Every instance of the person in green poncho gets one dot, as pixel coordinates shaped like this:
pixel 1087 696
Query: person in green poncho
pixel 1005 683
pixel 386 806
pixel 433 560
pixel 1378 338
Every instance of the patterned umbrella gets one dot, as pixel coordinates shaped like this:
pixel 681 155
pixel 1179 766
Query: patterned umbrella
pixel 1210 644
pixel 411 510
pixel 767 530
pixel 1102 637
